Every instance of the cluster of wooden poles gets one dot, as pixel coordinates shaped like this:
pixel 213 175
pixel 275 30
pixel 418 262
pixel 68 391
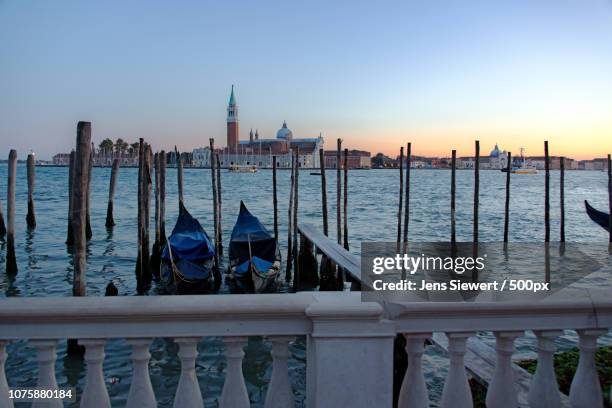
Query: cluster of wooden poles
pixel 404 206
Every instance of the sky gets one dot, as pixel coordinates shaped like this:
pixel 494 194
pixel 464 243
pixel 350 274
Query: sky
pixel 439 74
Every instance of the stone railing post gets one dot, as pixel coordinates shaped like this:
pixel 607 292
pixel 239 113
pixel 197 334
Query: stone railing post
pixel 234 394
pixel 188 393
pixel 502 390
pixel 46 356
pixel 141 393
pixel 457 391
pixel 280 394
pixel 585 390
pixel 5 402
pixel 544 389
pixel 349 353
pixel 95 394
pixel 413 393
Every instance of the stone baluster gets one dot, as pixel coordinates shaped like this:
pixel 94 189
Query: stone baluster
pixel 234 394
pixel 5 402
pixel 414 391
pixel 544 389
pixel 502 391
pixel 141 391
pixel 280 394
pixel 457 391
pixel 46 355
pixel 585 390
pixel 188 393
pixel 95 394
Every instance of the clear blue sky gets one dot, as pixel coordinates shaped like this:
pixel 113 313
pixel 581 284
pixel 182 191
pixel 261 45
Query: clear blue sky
pixel 377 74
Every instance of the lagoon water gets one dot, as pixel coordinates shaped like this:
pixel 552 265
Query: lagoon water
pixel 45 267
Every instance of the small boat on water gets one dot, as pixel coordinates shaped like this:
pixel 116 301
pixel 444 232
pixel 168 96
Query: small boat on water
pixel 188 257
pixel 521 167
pixel 600 217
pixel 254 255
pixel 238 168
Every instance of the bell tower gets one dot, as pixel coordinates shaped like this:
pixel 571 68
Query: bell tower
pixel 232 123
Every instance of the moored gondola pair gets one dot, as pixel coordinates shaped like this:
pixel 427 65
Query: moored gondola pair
pixel 188 256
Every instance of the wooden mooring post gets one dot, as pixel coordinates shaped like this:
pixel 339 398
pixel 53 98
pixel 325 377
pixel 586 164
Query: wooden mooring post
pixel 80 185
pixel 476 188
pixel 546 194
pixel 31 216
pixel 219 205
pixel 328 269
pixel 401 200
pixel 339 191
pixel 345 201
pixel 88 231
pixel 215 195
pixel 179 175
pixel 562 200
pixel 2 224
pixel 70 231
pixel 11 260
pixel 274 199
pixel 110 220
pixel 79 206
pixel 610 199
pixel 290 223
pixel 507 204
pixel 142 262
pixel 147 215
pixel 407 199
pixel 453 192
pixel 296 251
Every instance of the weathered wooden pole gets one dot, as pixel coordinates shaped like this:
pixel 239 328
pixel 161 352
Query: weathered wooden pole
pixel 11 260
pixel 546 194
pixel 476 187
pixel 401 199
pixel 345 204
pixel 179 175
pixel 610 198
pixel 213 173
pixel 407 192
pixel 154 261
pixel 507 206
pixel 70 232
pixel 453 190
pixel 562 200
pixel 88 231
pixel 140 262
pixel 338 192
pixel 110 221
pixel 31 216
pixel 274 199
pixel 2 225
pixel 147 180
pixel 220 206
pixel 290 223
pixel 80 184
pixel 323 193
pixel 296 252
pixel 162 198
pixel 327 269
pixel 79 205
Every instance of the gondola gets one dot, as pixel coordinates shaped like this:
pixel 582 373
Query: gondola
pixel 187 258
pixel 599 217
pixel 254 256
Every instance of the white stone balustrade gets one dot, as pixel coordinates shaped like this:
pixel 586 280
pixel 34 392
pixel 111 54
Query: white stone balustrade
pixel 349 345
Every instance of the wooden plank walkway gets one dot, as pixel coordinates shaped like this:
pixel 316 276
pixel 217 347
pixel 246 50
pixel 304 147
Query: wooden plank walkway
pixel 349 262
pixel 479 358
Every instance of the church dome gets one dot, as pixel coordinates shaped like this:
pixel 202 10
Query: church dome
pixel 495 152
pixel 284 133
